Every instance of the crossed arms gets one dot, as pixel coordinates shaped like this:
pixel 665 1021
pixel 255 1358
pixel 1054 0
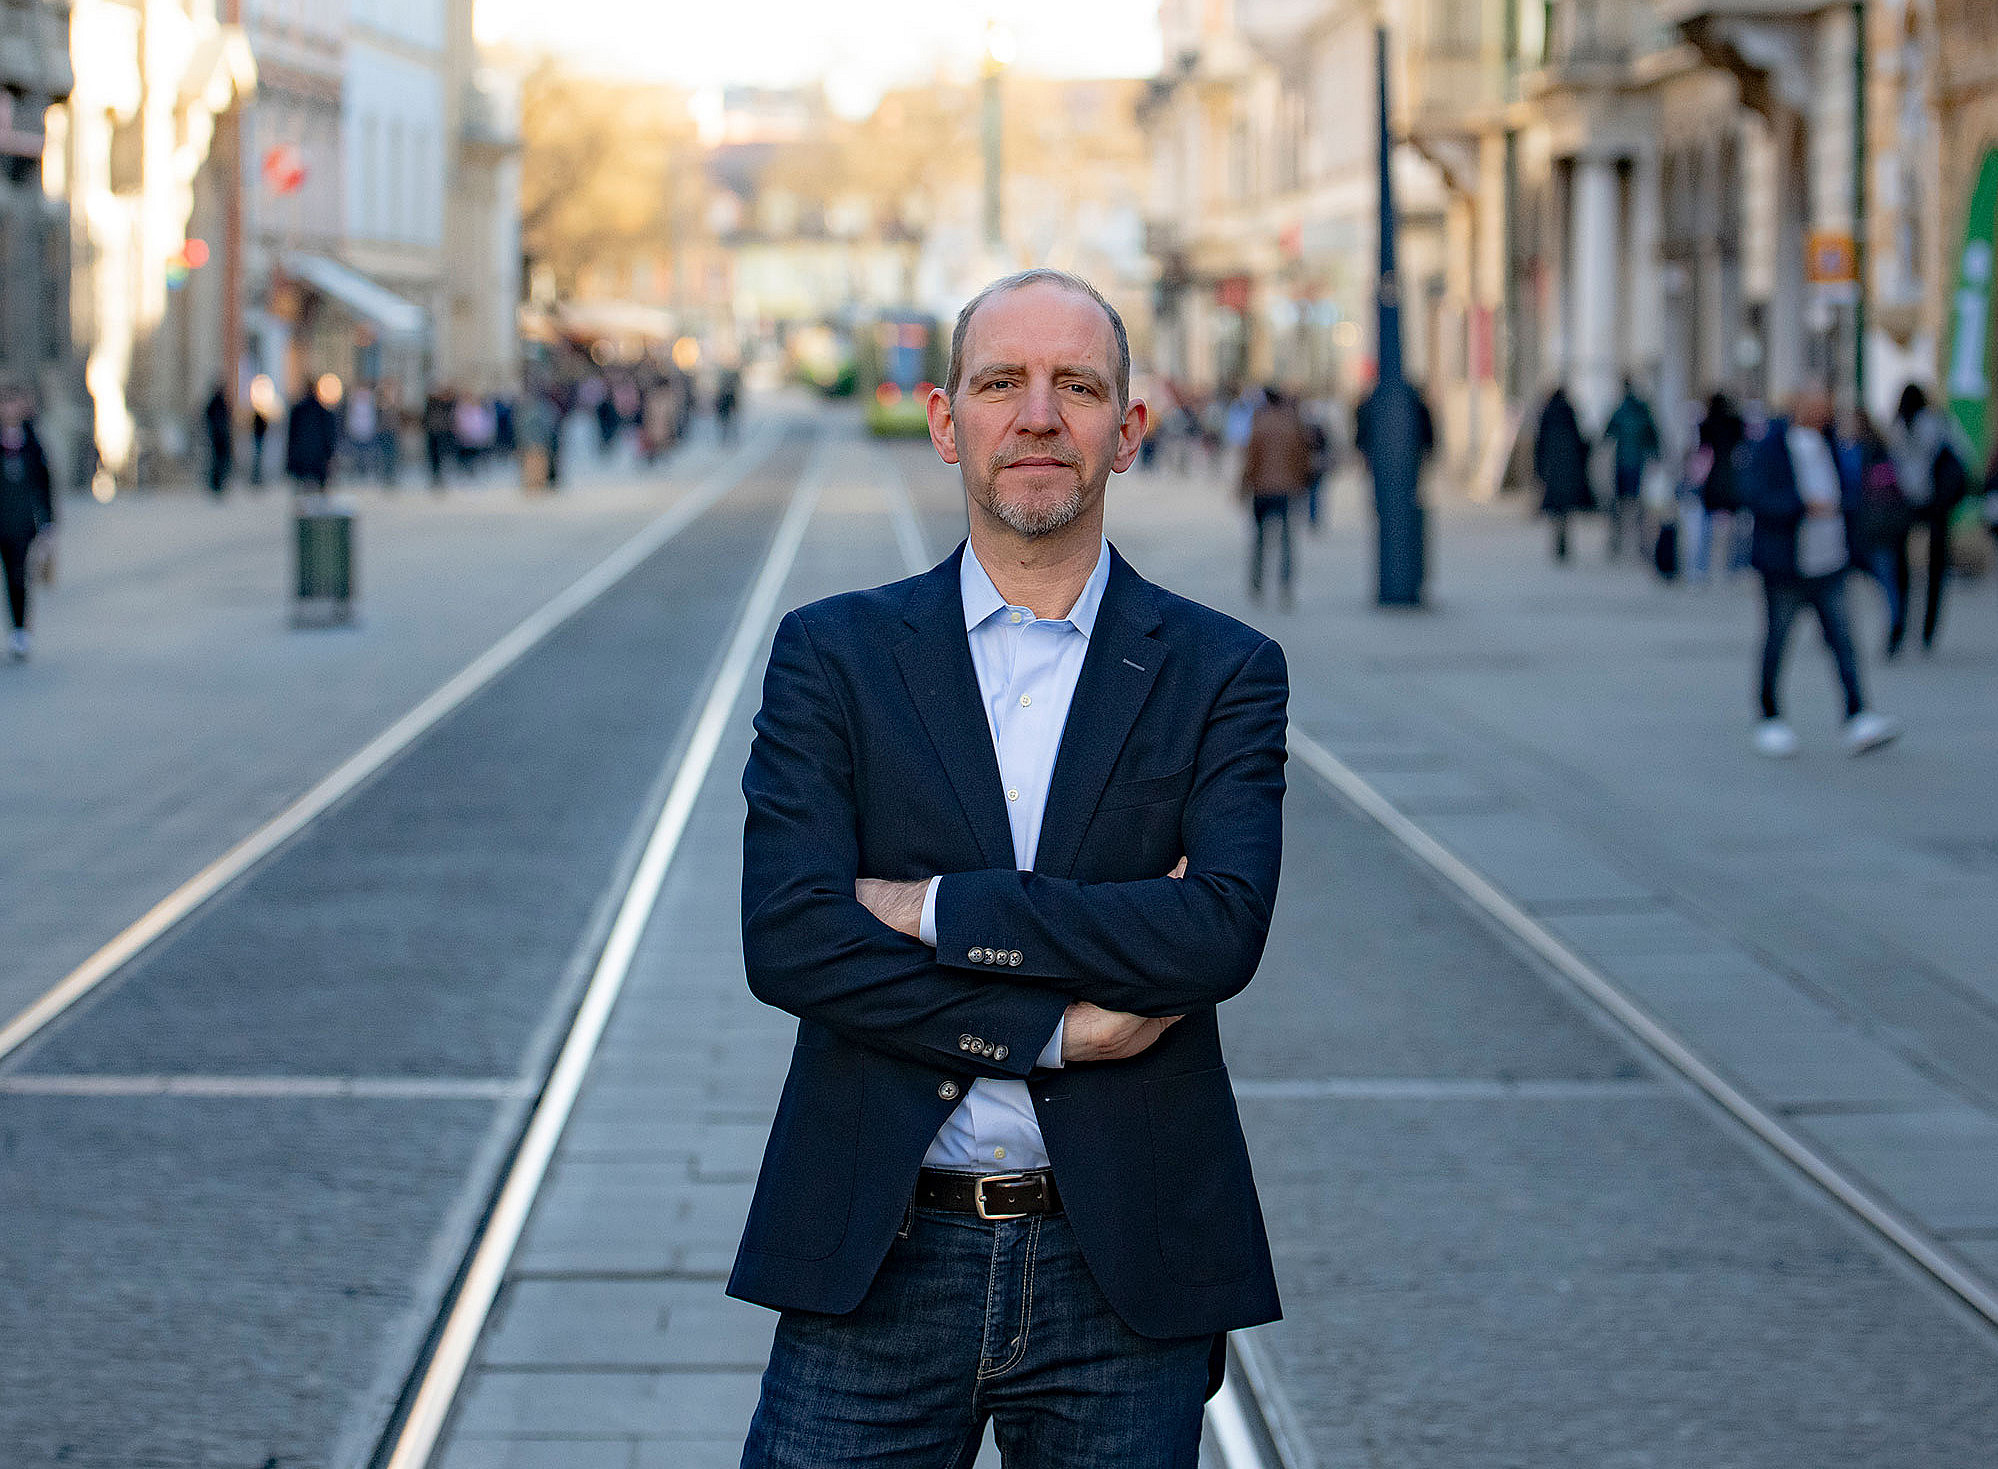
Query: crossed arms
pixel 1147 950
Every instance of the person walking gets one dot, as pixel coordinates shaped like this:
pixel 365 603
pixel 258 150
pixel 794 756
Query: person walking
pixel 1006 1181
pixel 1879 521
pixel 1792 489
pixel 728 394
pixel 1276 468
pixel 1722 434
pixel 1934 480
pixel 27 508
pixel 1561 462
pixel 440 407
pixel 312 433
pixel 1632 432
pixel 265 408
pixel 218 422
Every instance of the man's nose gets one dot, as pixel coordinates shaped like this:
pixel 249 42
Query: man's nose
pixel 1040 414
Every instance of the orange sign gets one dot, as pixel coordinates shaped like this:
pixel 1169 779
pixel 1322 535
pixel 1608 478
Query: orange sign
pixel 1831 259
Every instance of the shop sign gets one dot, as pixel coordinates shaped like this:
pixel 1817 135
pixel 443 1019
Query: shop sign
pixel 1966 379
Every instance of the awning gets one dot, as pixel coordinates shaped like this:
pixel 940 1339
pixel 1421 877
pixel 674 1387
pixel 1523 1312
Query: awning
pixel 372 303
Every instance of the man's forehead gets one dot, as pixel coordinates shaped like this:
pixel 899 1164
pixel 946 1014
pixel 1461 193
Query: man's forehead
pixel 1037 321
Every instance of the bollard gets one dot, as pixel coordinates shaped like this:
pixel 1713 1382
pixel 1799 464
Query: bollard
pixel 325 581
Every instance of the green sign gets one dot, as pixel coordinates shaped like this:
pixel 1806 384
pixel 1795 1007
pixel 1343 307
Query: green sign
pixel 1967 380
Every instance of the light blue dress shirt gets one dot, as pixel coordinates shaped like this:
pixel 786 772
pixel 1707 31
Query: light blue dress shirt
pixel 1027 667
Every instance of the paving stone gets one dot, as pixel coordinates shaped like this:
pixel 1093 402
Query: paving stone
pixel 627 1324
pixel 1941 1166
pixel 467 1452
pixel 659 1405
pixel 1531 859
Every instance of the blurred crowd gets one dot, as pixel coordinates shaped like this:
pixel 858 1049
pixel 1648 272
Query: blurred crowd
pixel 1804 496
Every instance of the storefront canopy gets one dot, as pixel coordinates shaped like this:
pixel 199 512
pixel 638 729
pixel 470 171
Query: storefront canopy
pixel 375 304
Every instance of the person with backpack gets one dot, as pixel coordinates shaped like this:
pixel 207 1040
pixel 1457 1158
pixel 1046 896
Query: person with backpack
pixel 1632 432
pixel 1792 488
pixel 1722 434
pixel 1878 519
pixel 1934 479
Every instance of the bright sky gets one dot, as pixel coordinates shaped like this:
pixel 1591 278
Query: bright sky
pixel 860 47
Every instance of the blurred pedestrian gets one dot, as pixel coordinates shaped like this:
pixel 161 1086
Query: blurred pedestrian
pixel 266 407
pixel 27 507
pixel 1276 468
pixel 1318 441
pixel 1880 520
pixel 1722 434
pixel 439 410
pixel 312 433
pixel 1792 488
pixel 1632 433
pixel 1934 478
pixel 472 431
pixel 219 422
pixel 388 431
pixel 1561 461
pixel 728 391
pixel 361 426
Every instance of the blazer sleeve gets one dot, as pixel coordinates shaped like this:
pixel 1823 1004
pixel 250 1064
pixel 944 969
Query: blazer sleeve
pixel 1159 946
pixel 808 945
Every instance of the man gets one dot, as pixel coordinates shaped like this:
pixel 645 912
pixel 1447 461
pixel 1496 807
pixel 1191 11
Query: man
pixel 1561 461
pixel 1014 830
pixel 1934 480
pixel 1276 468
pixel 1793 490
pixel 311 435
pixel 1633 436
pixel 27 507
pixel 220 421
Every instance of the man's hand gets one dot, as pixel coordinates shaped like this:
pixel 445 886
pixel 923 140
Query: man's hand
pixel 1090 1033
pixel 897 904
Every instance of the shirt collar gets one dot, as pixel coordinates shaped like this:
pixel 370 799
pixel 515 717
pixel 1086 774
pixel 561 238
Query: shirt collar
pixel 981 598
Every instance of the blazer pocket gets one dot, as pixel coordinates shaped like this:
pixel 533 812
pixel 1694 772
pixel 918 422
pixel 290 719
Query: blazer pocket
pixel 1147 790
pixel 1203 1191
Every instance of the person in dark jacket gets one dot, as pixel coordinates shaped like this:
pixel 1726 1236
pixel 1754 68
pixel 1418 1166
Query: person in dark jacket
pixel 1633 434
pixel 312 433
pixel 1276 468
pixel 1793 490
pixel 27 507
pixel 220 422
pixel 1878 520
pixel 1561 462
pixel 1721 434
pixel 1934 480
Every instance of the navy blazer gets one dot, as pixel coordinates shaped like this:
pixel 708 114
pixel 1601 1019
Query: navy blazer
pixel 872 757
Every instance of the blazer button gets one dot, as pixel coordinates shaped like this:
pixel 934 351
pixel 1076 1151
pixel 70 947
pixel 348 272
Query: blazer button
pixel 947 1090
pixel 1013 958
pixel 991 956
pixel 974 955
pixel 986 1048
pixel 1000 1053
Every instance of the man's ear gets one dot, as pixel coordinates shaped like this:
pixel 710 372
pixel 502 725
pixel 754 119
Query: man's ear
pixel 1130 435
pixel 943 428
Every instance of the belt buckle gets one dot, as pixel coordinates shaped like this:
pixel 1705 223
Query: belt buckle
pixel 978 1194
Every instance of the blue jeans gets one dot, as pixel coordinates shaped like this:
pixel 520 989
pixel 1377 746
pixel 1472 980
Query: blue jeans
pixel 1783 598
pixel 970 1321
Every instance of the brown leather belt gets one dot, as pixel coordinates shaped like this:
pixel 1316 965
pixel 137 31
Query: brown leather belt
pixel 988 1195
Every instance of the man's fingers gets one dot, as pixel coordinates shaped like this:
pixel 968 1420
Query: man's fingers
pixel 1179 870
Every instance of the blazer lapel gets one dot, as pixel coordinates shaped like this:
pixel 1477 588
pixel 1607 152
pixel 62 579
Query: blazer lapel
pixel 935 659
pixel 1117 676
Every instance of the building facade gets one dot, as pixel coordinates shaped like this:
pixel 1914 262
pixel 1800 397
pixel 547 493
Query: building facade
pixel 35 334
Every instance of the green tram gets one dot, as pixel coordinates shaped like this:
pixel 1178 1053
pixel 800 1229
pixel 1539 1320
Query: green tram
pixel 899 356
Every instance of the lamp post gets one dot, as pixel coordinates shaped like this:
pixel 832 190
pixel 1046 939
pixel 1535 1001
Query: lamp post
pixel 1393 433
pixel 998 51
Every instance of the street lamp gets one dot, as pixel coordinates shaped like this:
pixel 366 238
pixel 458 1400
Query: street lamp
pixel 998 54
pixel 1392 427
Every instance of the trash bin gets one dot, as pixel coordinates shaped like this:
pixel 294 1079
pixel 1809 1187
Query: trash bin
pixel 325 595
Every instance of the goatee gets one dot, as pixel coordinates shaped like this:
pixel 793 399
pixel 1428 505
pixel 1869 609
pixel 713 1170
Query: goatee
pixel 1039 520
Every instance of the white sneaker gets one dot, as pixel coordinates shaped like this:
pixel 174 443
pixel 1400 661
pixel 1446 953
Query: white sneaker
pixel 17 644
pixel 1775 739
pixel 1869 731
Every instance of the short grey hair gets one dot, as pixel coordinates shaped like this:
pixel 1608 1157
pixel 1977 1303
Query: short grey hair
pixel 1040 275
